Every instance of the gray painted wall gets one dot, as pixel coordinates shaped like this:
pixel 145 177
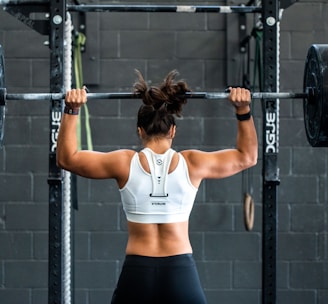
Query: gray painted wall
pixel 228 257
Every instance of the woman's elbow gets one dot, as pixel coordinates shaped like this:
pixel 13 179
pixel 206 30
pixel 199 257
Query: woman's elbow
pixel 61 162
pixel 251 160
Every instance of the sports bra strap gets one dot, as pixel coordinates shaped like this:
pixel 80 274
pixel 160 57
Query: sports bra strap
pixel 159 165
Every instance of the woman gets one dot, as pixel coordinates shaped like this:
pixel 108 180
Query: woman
pixel 158 186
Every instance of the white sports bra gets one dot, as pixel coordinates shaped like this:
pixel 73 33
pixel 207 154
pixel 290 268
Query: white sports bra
pixel 158 197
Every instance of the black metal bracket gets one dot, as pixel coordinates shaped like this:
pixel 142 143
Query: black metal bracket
pixel 35 16
pixel 243 37
pixel 82 26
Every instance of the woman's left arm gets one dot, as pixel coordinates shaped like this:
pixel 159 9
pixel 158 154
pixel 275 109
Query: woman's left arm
pixel 227 162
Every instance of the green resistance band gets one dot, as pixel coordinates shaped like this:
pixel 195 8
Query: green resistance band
pixel 79 42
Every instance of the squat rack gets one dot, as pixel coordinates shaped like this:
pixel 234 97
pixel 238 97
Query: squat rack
pixel 54 27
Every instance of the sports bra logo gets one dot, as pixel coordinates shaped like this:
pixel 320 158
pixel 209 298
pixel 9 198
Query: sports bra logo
pixel 159 161
pixel 158 203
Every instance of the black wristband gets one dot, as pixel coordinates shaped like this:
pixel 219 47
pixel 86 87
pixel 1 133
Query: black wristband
pixel 71 111
pixel 242 117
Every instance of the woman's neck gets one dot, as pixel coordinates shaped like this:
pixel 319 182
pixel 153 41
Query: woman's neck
pixel 159 146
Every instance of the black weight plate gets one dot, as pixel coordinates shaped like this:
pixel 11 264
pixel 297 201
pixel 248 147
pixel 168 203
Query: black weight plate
pixel 316 105
pixel 2 85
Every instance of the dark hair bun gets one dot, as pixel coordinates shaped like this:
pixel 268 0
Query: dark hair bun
pixel 168 96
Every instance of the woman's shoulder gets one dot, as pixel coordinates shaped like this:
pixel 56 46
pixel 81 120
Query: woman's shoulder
pixel 123 152
pixel 120 157
pixel 190 153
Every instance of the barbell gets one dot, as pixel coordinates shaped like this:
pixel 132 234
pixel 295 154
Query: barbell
pixel 315 92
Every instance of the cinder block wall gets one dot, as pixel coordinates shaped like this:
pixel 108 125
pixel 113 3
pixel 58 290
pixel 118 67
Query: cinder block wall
pixel 228 257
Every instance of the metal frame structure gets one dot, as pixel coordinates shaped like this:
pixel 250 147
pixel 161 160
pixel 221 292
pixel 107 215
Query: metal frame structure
pixel 270 170
pixel 54 27
pixel 57 17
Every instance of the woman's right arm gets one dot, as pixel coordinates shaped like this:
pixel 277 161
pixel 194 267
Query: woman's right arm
pixel 85 163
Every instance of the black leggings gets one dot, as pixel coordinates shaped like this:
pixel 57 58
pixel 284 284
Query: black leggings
pixel 164 280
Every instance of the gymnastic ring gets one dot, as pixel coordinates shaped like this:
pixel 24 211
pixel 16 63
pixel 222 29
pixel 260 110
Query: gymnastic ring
pixel 249 211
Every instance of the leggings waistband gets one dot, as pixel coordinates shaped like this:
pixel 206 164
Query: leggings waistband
pixel 175 260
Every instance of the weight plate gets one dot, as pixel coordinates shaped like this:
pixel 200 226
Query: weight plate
pixel 2 100
pixel 315 106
